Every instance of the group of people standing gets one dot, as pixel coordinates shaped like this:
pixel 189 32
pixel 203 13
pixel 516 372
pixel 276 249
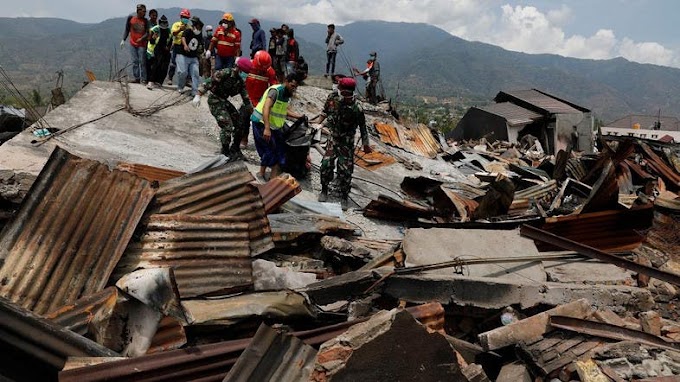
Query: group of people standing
pixel 265 82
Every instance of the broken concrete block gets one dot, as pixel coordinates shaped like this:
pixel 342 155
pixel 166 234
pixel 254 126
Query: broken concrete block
pixel 487 293
pixel 514 372
pixel 474 373
pixel 436 245
pixel 341 287
pixel 360 353
pixel 588 371
pixel 651 322
pixel 571 271
pixel 267 276
pixel 608 317
pixel 532 327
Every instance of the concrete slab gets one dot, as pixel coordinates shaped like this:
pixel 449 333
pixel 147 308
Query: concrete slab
pixel 436 245
pixel 587 272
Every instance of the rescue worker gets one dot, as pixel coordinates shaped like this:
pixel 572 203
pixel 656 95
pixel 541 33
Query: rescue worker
pixel 176 32
pixel 268 119
pixel 137 27
pixel 227 41
pixel 372 76
pixel 344 115
pixel 161 53
pixel 259 38
pixel 223 84
pixel 260 77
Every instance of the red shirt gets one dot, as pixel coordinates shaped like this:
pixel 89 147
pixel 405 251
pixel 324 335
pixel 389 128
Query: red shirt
pixel 257 83
pixel 228 41
pixel 137 30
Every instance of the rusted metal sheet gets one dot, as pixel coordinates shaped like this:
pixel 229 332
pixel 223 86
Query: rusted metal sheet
pixel 273 357
pixel 417 140
pixel 170 335
pixel 290 226
pixel 225 190
pixel 205 363
pixel 538 191
pixel 47 343
pixel 95 308
pixel 541 235
pixel 373 160
pixel 149 173
pixel 278 191
pixel 207 253
pixel 601 329
pixel 543 101
pixel 70 232
pixel 660 166
pixel 386 207
pixel 610 231
pixel 513 114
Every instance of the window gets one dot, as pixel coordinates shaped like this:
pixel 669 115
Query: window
pixel 654 136
pixel 643 135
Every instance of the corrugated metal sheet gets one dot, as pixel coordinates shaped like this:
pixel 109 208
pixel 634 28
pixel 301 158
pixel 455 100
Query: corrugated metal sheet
pixel 207 253
pixel 278 191
pixel 70 232
pixel 170 335
pixel 149 172
pixel 543 101
pixel 610 231
pixel 417 140
pixel 45 341
pixel 93 308
pixel 273 357
pixel 225 190
pixel 290 226
pixel 538 191
pixel 513 114
pixel 373 160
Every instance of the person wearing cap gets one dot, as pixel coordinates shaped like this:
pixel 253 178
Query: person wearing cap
pixel 372 76
pixel 292 52
pixel 259 40
pixel 227 41
pixel 344 116
pixel 137 27
pixel 176 31
pixel 159 50
pixel 187 58
pixel 333 41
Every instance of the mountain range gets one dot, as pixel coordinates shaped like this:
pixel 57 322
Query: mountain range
pixel 417 59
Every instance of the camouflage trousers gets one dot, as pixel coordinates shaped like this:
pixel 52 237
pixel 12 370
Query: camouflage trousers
pixel 343 153
pixel 227 117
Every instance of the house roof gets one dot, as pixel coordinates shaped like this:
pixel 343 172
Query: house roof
pixel 513 114
pixel 646 122
pixel 541 100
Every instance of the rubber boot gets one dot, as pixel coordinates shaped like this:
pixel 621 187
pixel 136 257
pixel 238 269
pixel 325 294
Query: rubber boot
pixel 323 196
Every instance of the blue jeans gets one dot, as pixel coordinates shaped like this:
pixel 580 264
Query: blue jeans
pixel 138 62
pixel 187 66
pixel 222 62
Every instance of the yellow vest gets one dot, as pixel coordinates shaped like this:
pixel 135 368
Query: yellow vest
pixel 277 115
pixel 152 42
pixel 176 40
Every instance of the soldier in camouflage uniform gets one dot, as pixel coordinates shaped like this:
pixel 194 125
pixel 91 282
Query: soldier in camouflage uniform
pixel 223 84
pixel 344 115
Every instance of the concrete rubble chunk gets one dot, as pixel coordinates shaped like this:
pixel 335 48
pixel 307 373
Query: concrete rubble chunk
pixel 651 322
pixel 608 317
pixel 588 371
pixel 532 327
pixel 359 354
pixel 514 372
pixel 488 293
pixel 571 271
pixel 267 276
pixel 436 245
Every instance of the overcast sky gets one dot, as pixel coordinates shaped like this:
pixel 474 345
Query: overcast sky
pixel 640 30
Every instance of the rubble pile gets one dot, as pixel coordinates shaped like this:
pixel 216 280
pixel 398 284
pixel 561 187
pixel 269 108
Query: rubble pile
pixel 513 265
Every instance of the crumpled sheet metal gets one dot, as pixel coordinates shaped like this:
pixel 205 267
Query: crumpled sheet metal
pixel 417 140
pixel 273 357
pixel 208 253
pixel 289 227
pixel 70 232
pixel 89 310
pixel 225 190
pixel 278 191
pixel 150 173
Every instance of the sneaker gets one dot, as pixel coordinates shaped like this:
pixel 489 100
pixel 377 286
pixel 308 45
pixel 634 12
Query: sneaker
pixel 169 82
pixel 344 204
pixel 150 85
pixel 323 197
pixel 325 75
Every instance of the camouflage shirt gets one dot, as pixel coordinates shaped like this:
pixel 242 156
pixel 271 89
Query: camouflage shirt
pixel 226 83
pixel 343 119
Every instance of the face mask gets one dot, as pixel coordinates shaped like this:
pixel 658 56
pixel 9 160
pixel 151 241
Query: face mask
pixel 196 31
pixel 184 21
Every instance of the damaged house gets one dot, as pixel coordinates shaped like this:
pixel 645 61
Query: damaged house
pixel 528 112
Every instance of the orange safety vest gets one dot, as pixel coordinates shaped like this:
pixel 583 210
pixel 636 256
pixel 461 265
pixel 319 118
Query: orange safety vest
pixel 228 41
